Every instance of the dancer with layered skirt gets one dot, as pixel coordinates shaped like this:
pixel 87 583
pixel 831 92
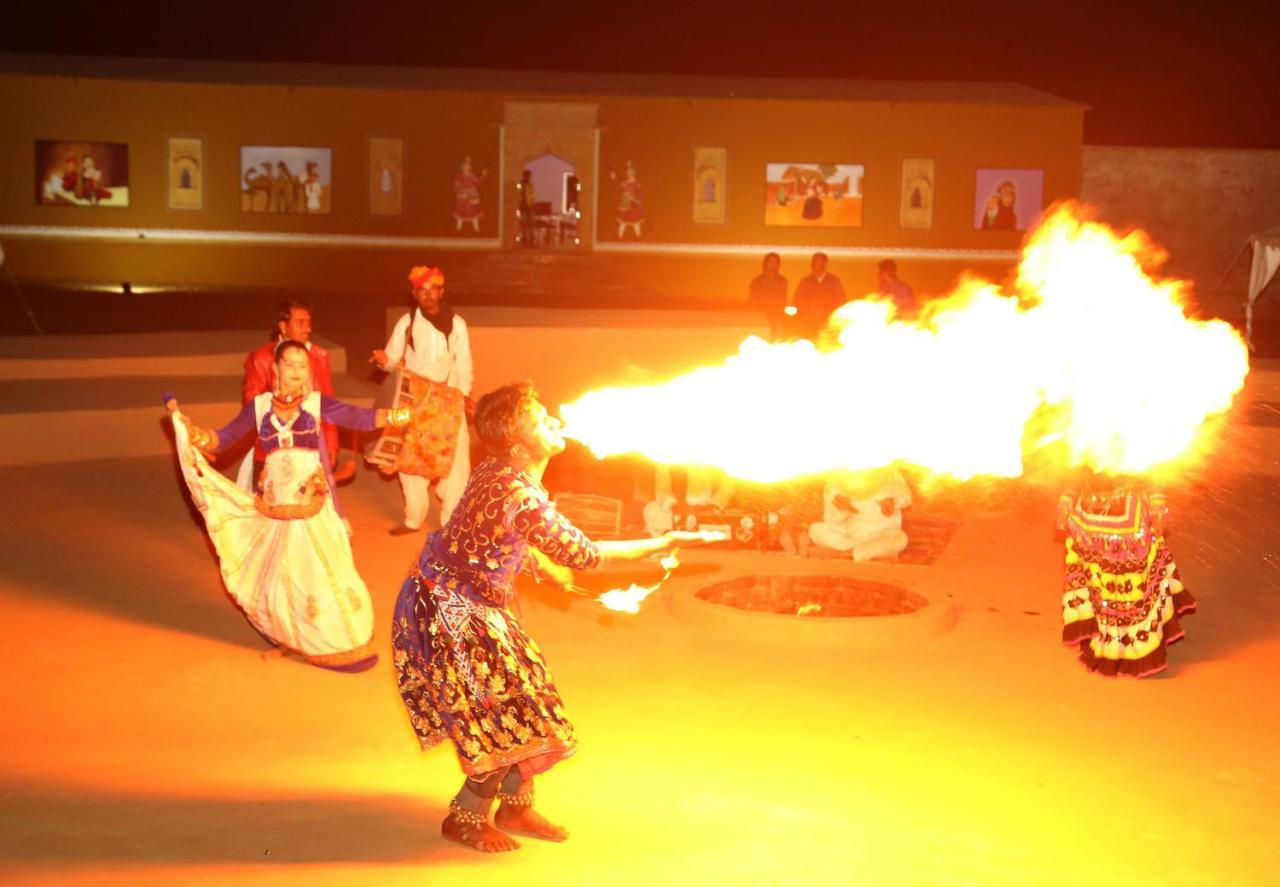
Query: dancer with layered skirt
pixel 467 670
pixel 1122 596
pixel 283 551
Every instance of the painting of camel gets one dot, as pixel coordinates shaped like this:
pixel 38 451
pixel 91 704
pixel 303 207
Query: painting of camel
pixel 275 179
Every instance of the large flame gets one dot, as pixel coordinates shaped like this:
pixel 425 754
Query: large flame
pixel 1090 358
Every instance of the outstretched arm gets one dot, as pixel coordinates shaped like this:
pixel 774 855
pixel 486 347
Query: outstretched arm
pixel 551 533
pixel 635 549
pixel 208 441
pixel 554 535
pixel 346 415
pixel 387 358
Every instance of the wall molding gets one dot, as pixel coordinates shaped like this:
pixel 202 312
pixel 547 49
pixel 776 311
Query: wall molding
pixel 243 238
pixel 374 241
pixel 844 252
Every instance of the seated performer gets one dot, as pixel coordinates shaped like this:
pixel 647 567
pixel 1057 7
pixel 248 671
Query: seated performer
pixel 1121 595
pixel 431 348
pixel 283 552
pixel 466 669
pixel 862 513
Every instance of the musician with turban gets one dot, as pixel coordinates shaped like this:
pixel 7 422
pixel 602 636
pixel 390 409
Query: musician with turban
pixel 430 348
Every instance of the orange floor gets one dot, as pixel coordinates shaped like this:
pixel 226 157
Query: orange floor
pixel 145 741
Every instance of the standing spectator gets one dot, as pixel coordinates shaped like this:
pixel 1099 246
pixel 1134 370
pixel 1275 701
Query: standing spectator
pixel 768 294
pixel 904 297
pixel 524 208
pixel 817 295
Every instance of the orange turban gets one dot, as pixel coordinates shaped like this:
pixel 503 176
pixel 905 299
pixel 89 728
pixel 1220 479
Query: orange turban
pixel 425 275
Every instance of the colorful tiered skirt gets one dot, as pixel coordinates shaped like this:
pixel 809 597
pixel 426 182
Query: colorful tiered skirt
pixel 1121 602
pixel 468 672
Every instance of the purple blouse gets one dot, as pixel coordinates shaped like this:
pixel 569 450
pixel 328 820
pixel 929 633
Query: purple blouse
pixel 305 433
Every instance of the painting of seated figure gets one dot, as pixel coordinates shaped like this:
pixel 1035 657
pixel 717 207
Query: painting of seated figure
pixel 72 173
pixel 813 194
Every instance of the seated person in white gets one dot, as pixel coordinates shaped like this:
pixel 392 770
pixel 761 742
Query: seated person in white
pixel 862 513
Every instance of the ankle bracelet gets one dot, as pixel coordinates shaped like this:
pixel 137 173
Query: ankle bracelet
pixel 524 799
pixel 466 816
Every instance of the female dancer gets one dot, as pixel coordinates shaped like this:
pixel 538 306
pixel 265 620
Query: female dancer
pixel 1121 595
pixel 283 550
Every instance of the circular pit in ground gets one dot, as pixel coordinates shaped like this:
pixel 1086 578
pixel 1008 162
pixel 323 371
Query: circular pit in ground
pixel 834 611
pixel 809 597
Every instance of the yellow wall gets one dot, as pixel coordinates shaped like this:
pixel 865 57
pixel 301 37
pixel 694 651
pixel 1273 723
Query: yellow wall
pixel 228 116
pixel 439 128
pixel 659 136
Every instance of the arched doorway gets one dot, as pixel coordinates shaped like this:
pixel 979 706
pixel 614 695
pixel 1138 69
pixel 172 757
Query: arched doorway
pixel 552 146
pixel 548 214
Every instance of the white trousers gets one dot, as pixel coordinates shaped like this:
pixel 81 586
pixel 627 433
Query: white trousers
pixel 417 489
pixel 867 539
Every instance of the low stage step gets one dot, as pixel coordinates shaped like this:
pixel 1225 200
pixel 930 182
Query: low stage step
pixel 71 398
pixel 218 353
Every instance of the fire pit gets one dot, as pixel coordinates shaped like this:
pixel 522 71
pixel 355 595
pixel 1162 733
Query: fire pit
pixel 821 608
pixel 813 596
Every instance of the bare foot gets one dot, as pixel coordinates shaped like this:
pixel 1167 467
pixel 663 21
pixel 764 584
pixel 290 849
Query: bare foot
pixel 528 821
pixel 484 838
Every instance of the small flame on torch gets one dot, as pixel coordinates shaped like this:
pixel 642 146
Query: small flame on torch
pixel 628 600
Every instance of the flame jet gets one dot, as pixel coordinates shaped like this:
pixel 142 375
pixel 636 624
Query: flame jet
pixel 1090 359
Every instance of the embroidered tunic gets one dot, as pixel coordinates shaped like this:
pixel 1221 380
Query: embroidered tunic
pixel 466 669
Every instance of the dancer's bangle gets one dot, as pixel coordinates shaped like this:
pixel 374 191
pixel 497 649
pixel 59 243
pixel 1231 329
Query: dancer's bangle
pixel 396 418
pixel 203 439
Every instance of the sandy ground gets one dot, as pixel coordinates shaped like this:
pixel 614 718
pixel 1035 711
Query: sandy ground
pixel 144 740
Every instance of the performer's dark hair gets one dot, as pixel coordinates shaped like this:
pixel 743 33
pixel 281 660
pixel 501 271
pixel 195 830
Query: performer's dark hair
pixel 284 311
pixel 822 256
pixel 500 413
pixel 889 266
pixel 287 344
pixel 768 256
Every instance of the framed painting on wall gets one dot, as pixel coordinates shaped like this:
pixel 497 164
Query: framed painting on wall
pixel 71 173
pixel 915 208
pixel 1007 199
pixel 710 167
pixel 280 179
pixel 813 194
pixel 468 208
pixel 386 176
pixel 185 157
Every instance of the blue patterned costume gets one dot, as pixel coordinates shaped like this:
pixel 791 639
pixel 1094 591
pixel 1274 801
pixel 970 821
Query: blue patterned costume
pixel 466 669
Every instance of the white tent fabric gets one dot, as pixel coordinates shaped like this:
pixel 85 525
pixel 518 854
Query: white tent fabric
pixel 1266 260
